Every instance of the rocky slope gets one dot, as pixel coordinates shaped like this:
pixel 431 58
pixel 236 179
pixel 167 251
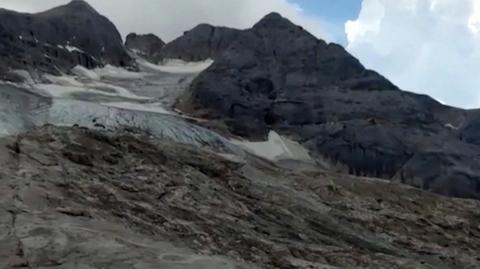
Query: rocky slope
pixel 74 198
pixel 276 76
pixel 58 39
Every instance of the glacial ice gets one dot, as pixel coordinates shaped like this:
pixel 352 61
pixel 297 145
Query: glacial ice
pixel 112 98
pixel 108 98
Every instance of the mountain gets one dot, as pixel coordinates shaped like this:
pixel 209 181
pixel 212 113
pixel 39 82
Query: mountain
pixel 58 39
pixel 76 198
pixel 98 170
pixel 146 46
pixel 274 76
pixel 277 76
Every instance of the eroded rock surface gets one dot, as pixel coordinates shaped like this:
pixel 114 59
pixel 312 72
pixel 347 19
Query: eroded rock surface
pixel 75 198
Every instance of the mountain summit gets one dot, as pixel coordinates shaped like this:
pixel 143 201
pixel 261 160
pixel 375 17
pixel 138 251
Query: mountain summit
pixel 76 6
pixel 58 39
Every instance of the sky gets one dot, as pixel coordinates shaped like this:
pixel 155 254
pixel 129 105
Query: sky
pixel 424 46
pixel 334 12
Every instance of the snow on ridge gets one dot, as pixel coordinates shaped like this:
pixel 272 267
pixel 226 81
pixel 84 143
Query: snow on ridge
pixel 70 48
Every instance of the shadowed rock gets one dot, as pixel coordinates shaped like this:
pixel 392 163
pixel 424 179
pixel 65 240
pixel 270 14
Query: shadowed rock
pixel 146 46
pixel 278 76
pixel 201 43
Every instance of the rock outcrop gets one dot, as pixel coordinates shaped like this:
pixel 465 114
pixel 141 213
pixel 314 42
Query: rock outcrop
pixel 58 39
pixel 74 198
pixel 200 43
pixel 148 46
pixel 276 76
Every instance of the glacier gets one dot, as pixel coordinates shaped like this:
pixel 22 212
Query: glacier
pixel 112 98
pixel 109 98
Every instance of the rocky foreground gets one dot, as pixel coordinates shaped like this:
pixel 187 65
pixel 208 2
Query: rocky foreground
pixel 75 198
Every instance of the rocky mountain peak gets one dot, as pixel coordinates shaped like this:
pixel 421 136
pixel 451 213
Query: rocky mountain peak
pixel 81 4
pixel 147 46
pixel 74 7
pixel 58 39
pixel 271 19
pixel 276 22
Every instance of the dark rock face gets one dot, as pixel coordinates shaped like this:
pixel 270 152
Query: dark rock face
pixel 147 46
pixel 278 76
pixel 59 39
pixel 200 43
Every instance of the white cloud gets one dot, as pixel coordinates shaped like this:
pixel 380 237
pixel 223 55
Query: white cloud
pixel 170 18
pixel 427 46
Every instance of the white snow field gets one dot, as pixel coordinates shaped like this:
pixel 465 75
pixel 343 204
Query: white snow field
pixel 276 148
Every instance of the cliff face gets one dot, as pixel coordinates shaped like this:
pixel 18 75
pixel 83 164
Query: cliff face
pixel 276 76
pixel 200 43
pixel 58 39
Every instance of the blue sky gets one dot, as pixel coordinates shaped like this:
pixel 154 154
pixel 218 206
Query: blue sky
pixel 335 12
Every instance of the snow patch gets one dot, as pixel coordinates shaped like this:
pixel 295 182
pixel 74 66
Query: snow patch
pixel 64 91
pixel 83 72
pixel 450 126
pixel 110 71
pixel 276 148
pixel 63 80
pixel 64 86
pixel 120 91
pixel 70 48
pixel 176 66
